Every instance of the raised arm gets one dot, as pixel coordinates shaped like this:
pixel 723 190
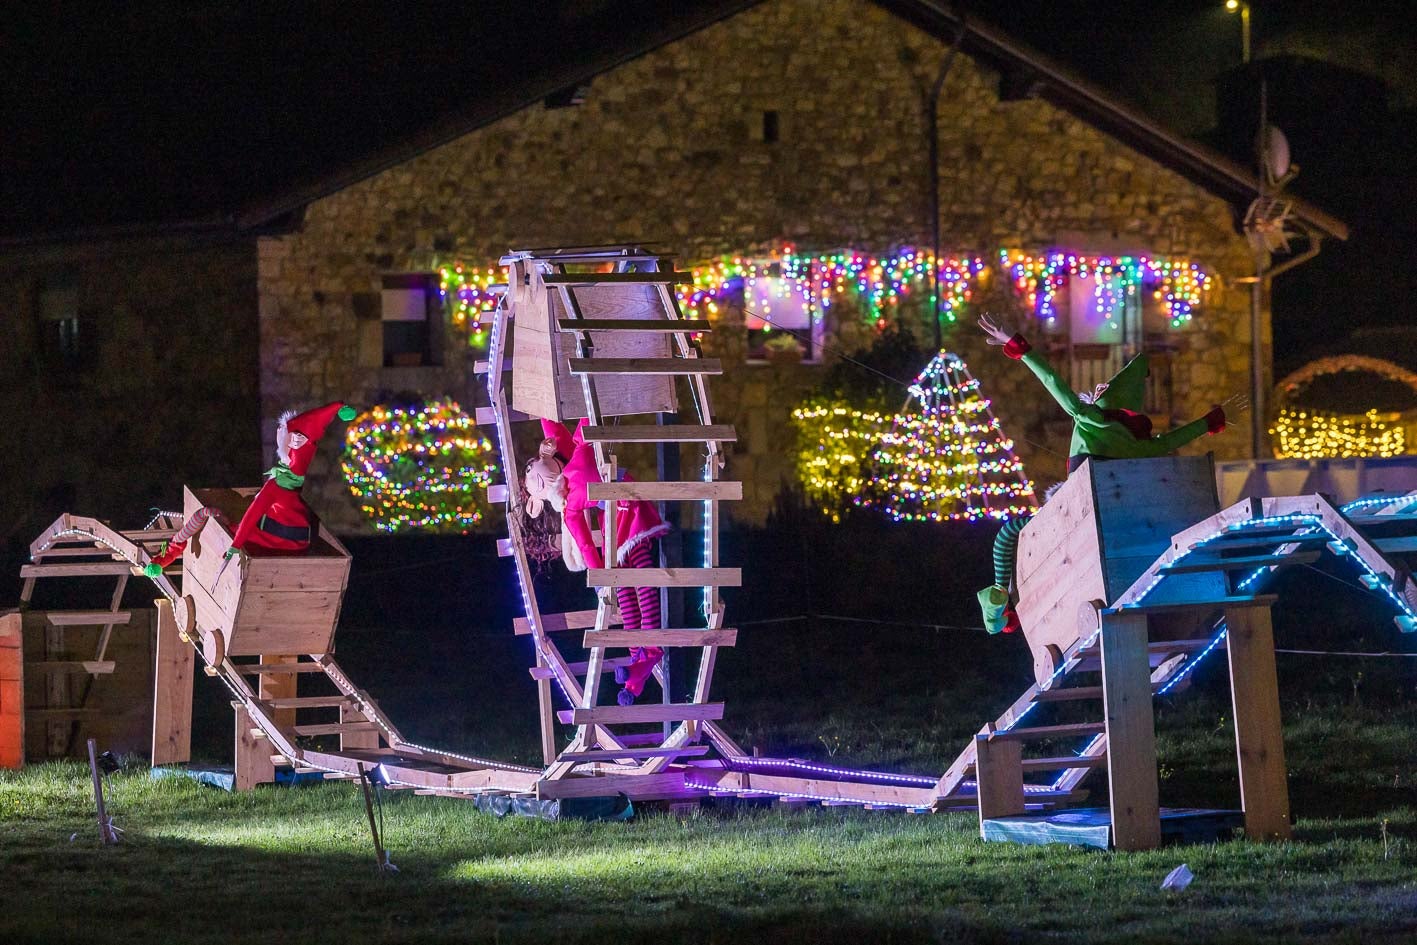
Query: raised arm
pixel 565 446
pixel 1212 423
pixel 1017 347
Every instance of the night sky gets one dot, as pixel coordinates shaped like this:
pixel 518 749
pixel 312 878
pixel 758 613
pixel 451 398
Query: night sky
pixel 159 111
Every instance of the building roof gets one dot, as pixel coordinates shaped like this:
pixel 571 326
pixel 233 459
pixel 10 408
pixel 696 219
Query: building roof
pixel 230 117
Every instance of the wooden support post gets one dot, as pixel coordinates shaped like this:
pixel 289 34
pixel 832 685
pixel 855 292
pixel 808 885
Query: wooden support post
pixel 12 691
pixel 253 755
pixel 998 772
pixel 547 712
pixel 280 686
pixel 362 740
pixel 172 692
pixel 1259 742
pixel 56 694
pixel 1131 733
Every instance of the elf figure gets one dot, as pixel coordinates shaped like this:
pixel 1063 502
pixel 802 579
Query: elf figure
pixel 1108 423
pixel 559 475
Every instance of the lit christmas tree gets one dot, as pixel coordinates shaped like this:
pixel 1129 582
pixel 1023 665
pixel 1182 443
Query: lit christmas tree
pixel 946 456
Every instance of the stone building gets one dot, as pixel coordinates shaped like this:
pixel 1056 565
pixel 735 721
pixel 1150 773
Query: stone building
pixel 750 128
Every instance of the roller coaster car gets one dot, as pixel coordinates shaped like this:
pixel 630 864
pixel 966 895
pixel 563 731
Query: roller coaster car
pixel 286 604
pixel 1096 536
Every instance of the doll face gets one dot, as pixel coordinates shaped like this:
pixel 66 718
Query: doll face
pixel 544 483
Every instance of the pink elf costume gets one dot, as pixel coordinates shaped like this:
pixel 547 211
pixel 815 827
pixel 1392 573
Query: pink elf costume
pixel 560 474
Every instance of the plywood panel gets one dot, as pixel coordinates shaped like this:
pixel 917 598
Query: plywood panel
pixel 172 692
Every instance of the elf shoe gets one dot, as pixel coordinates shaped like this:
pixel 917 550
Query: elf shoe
pixel 637 653
pixel 992 601
pixel 639 672
pixel 1011 623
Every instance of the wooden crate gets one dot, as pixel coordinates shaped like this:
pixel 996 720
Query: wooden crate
pixel 542 385
pixel 274 604
pixel 1098 533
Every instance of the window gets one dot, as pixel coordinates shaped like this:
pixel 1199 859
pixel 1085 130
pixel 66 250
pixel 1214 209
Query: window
pixel 411 313
pixel 771 129
pixel 779 321
pixel 60 339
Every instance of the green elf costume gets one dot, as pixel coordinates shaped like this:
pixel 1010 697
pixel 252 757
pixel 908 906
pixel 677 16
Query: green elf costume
pixel 1109 424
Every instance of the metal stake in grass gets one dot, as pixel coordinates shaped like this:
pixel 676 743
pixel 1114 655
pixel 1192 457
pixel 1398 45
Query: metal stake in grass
pixel 381 855
pixel 107 833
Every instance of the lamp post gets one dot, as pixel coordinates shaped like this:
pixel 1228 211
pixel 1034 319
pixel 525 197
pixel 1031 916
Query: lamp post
pixel 1243 9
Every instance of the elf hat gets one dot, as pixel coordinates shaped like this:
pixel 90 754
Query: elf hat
pixel 1127 388
pixel 311 424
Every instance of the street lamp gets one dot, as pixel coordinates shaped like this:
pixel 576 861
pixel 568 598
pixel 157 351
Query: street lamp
pixel 1244 11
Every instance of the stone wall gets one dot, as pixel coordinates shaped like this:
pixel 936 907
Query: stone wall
pixel 671 147
pixel 162 388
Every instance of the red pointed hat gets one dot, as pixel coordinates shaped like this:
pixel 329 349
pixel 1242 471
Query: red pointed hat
pixel 312 424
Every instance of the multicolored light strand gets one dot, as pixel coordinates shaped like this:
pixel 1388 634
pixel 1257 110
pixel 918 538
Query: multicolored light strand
pixel 1309 434
pixel 467 292
pixel 949 459
pixel 1178 284
pixel 835 446
pixel 821 281
pixel 418 468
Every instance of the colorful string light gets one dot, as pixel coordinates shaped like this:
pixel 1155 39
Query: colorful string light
pixel 1179 285
pixel 418 468
pixel 949 459
pixel 467 292
pixel 819 282
pixel 835 445
pixel 1310 434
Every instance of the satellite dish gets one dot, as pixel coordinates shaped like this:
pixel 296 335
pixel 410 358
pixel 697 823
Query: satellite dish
pixel 1275 157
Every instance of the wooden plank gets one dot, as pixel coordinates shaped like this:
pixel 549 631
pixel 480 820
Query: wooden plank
pixel 1131 733
pixel 81 667
pixel 1405 545
pixel 660 433
pixel 274 688
pixel 999 778
pixel 12 691
pixel 616 278
pixel 607 665
pixel 1195 563
pixel 1075 694
pixel 257 669
pixel 649 712
pixel 665 784
pixel 76 569
pixel 173 675
pixel 1259 740
pixel 1171 607
pixel 627 638
pixel 607 754
pixel 642 366
pixel 334 728
pixel 551 623
pixel 664 577
pixel 487 417
pixel 1039 732
pixel 665 325
pixel 1252 544
pixel 253 755
pixel 665 491
pixel 351 736
pixel 306 702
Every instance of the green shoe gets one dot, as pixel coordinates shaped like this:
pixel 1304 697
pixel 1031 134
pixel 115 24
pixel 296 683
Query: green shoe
pixel 992 601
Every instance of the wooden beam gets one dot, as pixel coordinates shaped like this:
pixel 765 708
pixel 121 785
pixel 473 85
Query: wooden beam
pixel 1189 566
pixel 173 674
pixel 999 778
pixel 76 569
pixel 260 669
pixel 665 491
pixel 607 665
pixel 645 366
pixel 627 638
pixel 334 728
pixel 1259 740
pixel 660 433
pixel 1036 733
pixel 649 712
pixel 616 278
pixel 86 618
pixel 306 702
pixel 663 325
pixel 1131 733
pixel 1248 544
pixel 666 784
pixel 664 577
pixel 551 623
pixel 253 755
pixel 1228 602
pixel 1406 545
pixel 607 754
pixel 80 667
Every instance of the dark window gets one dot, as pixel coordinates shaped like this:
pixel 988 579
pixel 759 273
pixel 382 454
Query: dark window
pixel 61 338
pixel 771 131
pixel 412 320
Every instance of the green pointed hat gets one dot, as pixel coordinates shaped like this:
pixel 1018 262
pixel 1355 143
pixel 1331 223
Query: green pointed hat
pixel 1127 388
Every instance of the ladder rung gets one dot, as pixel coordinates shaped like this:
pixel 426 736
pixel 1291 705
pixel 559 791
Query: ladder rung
pixel 660 433
pixel 571 620
pixel 1049 731
pixel 609 754
pixel 664 491
pixel 92 667
pixel 1187 566
pixel 1405 545
pixel 260 669
pixel 664 325
pixel 627 638
pixel 76 569
pixel 86 618
pixel 1076 693
pixel 486 417
pixel 616 278
pixel 646 366
pixel 664 577
pixel 1156 647
pixel 1245 543
pixel 1056 764
pixel 1170 607
pixel 606 665
pixel 334 728
pixel 308 702
pixel 649 712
